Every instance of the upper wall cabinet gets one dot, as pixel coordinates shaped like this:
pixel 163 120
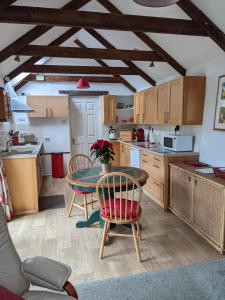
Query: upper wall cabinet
pixel 179 102
pixel 48 106
pixel 108 108
pixel 5 108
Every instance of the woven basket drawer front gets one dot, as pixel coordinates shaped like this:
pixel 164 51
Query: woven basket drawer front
pixel 181 192
pixel 208 209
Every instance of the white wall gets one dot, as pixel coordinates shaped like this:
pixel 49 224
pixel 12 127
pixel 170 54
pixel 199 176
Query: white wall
pixel 212 147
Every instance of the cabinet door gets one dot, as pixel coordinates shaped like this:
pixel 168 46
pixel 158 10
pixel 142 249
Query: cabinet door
pixel 181 192
pixel 176 101
pixel 163 101
pixel 208 209
pixel 57 106
pixel 124 155
pixel 39 106
pixel 108 106
pixel 116 148
pixel 137 108
pixel 142 107
pixel 150 109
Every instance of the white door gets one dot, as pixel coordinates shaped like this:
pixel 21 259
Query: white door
pixel 85 124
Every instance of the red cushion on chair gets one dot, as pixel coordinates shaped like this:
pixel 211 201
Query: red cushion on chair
pixel 131 213
pixel 77 192
pixel 7 295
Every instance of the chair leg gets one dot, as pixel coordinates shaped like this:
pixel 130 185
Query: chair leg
pixel 136 242
pixel 103 240
pixel 92 204
pixel 138 231
pixel 71 205
pixel 85 207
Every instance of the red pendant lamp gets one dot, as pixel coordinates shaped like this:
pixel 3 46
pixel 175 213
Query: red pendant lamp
pixel 83 83
pixel 156 3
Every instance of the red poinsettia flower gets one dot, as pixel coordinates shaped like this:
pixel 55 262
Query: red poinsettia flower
pixel 103 150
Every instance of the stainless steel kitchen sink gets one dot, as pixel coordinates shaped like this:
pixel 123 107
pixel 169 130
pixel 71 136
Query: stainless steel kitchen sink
pixel 17 150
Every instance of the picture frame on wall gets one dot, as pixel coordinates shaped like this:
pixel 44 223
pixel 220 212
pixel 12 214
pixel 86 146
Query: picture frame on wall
pixel 219 122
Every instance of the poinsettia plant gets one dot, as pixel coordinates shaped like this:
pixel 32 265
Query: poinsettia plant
pixel 102 150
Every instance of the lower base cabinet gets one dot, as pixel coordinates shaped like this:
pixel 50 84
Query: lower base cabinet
pixel 24 181
pixel 199 201
pixel 124 155
pixel 116 148
pixel 157 166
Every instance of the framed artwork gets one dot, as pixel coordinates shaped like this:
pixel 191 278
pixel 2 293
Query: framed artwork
pixel 219 123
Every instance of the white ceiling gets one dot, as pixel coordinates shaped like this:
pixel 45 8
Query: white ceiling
pixel 188 51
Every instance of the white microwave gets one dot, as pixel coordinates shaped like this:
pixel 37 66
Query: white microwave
pixel 178 143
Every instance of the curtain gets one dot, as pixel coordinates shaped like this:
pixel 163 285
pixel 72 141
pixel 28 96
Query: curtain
pixel 4 194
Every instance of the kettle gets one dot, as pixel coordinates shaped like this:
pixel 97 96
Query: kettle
pixel 113 134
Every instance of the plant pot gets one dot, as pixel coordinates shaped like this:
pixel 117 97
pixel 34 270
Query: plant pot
pixel 106 168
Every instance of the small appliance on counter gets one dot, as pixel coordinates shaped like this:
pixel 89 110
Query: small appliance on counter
pixel 140 135
pixel 178 143
pixel 113 134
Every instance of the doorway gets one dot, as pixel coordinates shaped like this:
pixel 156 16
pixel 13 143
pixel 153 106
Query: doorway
pixel 84 123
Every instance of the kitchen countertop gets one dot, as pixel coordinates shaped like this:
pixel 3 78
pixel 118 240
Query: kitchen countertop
pixel 27 155
pixel 140 145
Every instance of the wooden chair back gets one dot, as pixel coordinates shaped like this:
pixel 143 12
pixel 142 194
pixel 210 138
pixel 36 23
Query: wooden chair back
pixel 119 188
pixel 79 162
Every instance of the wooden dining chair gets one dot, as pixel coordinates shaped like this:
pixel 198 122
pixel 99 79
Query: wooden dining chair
pixel 76 163
pixel 115 193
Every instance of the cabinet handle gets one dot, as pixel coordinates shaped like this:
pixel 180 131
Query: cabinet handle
pixel 46 112
pixel 196 182
pixel 156 166
pixel 144 161
pixel 51 111
pixel 156 159
pixel 156 183
pixel 189 179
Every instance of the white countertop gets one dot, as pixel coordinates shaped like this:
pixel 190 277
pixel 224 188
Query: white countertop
pixel 27 155
pixel 152 147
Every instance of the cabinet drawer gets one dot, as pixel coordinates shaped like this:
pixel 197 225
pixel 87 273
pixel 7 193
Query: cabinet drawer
pixel 156 171
pixel 155 188
pixel 157 160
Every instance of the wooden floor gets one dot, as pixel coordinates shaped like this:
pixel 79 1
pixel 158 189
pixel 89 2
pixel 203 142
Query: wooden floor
pixel 167 241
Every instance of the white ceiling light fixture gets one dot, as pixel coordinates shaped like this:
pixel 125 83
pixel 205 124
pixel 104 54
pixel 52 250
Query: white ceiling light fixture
pixel 156 3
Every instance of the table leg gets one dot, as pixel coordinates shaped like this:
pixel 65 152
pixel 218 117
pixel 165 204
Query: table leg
pixel 95 217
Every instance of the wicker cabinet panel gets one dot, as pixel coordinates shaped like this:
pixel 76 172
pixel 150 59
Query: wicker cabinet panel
pixel 208 209
pixel 181 192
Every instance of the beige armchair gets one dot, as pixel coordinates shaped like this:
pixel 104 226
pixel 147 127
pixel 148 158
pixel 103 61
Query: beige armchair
pixel 17 276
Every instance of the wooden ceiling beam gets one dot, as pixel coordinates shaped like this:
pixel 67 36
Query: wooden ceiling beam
pixel 89 53
pixel 103 64
pixel 95 20
pixel 22 68
pixel 84 93
pixel 148 41
pixel 204 22
pixel 34 33
pixel 60 78
pixel 58 69
pixel 6 3
pixel 130 64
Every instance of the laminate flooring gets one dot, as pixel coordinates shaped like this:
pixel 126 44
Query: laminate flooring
pixel 167 241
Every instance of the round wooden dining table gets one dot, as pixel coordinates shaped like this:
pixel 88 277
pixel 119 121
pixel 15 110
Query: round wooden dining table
pixel 85 180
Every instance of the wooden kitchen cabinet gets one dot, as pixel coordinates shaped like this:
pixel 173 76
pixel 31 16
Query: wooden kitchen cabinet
pixel 124 155
pixel 24 181
pixel 116 148
pixel 48 106
pixel 199 200
pixel 157 167
pixel 163 103
pixel 187 98
pixel 5 107
pixel 108 109
pixel 181 193
pixel 178 102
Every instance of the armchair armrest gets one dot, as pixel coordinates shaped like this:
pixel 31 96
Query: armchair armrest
pixel 47 273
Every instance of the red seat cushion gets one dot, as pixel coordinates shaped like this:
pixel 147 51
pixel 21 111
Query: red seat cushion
pixel 77 192
pixel 7 295
pixel 131 213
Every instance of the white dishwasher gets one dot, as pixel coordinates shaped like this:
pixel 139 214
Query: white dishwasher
pixel 135 157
